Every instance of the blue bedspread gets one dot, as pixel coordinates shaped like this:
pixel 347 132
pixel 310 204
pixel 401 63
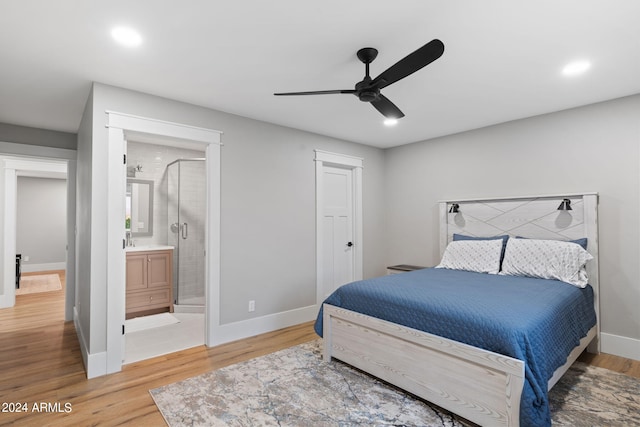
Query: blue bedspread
pixel 535 320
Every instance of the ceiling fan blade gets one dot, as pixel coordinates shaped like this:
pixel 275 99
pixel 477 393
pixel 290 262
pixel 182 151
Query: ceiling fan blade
pixel 387 108
pixel 317 92
pixel 410 64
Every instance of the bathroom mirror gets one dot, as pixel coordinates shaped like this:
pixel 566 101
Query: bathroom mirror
pixel 139 205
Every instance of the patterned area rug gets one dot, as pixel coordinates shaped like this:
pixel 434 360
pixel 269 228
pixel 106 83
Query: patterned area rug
pixel 39 283
pixel 294 387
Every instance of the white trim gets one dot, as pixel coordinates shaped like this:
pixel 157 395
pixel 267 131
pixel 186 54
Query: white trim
pixel 8 297
pixel 620 346
pixel 164 128
pixel 590 209
pixel 338 159
pixel 321 159
pixel 118 126
pixel 92 361
pixel 259 325
pixel 48 266
pixel 116 257
pixel 212 246
pixel 70 278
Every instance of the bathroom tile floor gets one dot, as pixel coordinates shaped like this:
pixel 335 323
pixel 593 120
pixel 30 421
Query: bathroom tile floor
pixel 167 339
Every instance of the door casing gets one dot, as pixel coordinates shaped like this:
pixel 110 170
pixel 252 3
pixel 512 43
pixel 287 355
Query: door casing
pixel 120 126
pixel 355 164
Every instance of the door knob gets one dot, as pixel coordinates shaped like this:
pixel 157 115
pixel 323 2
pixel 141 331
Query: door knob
pixel 350 244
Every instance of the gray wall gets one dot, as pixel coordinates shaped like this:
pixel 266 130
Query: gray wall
pixel 268 198
pixel 40 137
pixel 267 207
pixel 84 237
pixel 41 224
pixel 593 148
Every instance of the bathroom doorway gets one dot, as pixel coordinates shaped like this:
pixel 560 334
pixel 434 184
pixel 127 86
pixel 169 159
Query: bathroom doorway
pixel 124 127
pixel 170 217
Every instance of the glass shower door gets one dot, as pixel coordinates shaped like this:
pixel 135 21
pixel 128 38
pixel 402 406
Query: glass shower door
pixel 186 219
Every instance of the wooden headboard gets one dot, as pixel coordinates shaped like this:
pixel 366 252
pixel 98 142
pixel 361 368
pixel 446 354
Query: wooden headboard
pixel 535 217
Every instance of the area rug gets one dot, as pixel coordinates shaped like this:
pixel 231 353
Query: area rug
pixel 143 323
pixel 294 387
pixel 39 283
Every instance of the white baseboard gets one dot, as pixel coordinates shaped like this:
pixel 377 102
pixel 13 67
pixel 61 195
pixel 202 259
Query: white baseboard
pixel 50 266
pixel 620 346
pixel 259 325
pixel 95 365
pixel 8 299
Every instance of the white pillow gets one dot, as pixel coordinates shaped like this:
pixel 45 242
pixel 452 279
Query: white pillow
pixel 482 256
pixel 546 259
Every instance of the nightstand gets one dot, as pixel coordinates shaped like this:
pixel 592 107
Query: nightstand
pixel 403 268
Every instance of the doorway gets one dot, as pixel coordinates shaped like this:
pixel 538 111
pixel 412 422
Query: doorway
pixel 166 212
pixel 338 221
pixel 60 163
pixel 122 127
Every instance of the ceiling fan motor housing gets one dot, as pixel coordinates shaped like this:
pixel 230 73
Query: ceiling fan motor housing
pixel 365 92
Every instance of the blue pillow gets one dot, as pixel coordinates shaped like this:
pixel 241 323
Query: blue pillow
pixel 504 238
pixel 582 242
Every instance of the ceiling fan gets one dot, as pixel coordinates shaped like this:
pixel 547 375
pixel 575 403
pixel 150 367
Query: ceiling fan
pixel 368 90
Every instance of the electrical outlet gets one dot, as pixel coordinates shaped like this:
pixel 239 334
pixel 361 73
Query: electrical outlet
pixel 26 258
pixel 252 306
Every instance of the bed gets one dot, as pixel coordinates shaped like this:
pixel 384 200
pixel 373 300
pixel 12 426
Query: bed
pixel 450 359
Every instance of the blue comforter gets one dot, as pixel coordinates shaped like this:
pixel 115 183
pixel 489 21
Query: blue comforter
pixel 535 320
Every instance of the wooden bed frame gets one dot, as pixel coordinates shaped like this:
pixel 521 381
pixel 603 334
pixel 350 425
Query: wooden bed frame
pixel 481 386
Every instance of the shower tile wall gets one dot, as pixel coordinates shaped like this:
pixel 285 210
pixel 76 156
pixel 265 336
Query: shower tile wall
pixel 154 160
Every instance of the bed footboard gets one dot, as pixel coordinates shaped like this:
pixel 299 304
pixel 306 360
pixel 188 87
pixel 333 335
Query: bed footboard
pixel 479 385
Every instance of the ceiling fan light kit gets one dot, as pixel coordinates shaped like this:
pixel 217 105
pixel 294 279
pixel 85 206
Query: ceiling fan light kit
pixel 368 89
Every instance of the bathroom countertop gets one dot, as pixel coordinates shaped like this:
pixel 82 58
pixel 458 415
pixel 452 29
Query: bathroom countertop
pixel 146 248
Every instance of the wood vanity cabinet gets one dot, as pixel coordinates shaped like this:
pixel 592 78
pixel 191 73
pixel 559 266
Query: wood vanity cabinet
pixel 149 282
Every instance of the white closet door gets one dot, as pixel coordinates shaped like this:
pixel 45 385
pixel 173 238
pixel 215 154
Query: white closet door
pixel 337 210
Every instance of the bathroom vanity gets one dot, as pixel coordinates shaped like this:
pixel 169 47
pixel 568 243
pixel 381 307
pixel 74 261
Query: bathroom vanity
pixel 149 280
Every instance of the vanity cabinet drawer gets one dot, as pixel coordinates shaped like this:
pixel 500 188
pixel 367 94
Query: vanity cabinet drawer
pixel 148 299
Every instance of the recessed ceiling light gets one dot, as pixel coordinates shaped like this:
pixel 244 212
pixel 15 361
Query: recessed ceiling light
pixel 391 122
pixel 126 36
pixel 576 68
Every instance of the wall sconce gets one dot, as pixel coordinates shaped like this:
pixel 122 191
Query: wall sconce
pixel 565 205
pixel 455 208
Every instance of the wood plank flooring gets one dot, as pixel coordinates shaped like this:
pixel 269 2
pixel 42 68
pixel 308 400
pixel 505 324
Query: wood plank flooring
pixel 40 362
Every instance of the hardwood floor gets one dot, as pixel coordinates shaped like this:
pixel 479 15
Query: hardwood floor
pixel 40 362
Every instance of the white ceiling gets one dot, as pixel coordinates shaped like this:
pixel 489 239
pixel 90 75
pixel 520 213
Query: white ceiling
pixel 502 59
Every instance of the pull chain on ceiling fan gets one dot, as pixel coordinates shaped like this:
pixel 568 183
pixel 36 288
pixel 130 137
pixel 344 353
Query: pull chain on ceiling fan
pixel 368 90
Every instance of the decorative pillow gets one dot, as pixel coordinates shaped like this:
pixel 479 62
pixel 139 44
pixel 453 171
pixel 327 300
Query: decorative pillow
pixel 504 239
pixel 482 256
pixel 547 259
pixel 582 242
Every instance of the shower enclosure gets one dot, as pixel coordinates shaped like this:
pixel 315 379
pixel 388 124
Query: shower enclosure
pixel 186 196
